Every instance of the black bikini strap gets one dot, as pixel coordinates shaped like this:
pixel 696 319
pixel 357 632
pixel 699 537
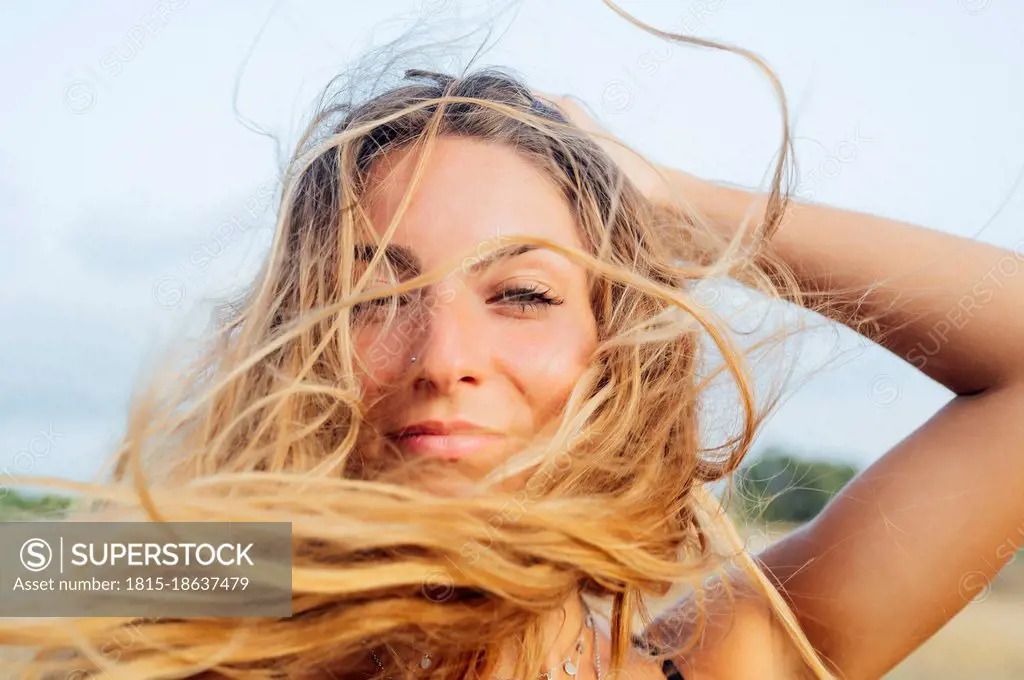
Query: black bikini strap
pixel 670 671
pixel 668 667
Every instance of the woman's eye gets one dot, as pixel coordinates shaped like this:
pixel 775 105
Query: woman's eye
pixel 525 298
pixel 379 306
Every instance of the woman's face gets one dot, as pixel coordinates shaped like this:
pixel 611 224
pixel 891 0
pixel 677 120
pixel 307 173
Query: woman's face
pixel 474 366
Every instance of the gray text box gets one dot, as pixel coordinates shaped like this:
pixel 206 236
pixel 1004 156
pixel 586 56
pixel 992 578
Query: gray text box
pixel 150 569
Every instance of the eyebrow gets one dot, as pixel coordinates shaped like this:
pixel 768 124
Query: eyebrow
pixel 406 261
pixel 400 257
pixel 504 253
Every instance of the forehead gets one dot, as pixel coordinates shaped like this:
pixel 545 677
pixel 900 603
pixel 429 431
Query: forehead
pixel 470 192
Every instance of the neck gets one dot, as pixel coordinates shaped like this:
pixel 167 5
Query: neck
pixel 560 631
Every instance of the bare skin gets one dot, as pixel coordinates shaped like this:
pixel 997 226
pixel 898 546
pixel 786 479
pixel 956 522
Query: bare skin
pixel 914 538
pixel 491 352
pixel 498 347
pixel 884 566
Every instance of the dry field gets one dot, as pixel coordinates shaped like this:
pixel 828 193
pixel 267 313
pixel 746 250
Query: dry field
pixel 984 642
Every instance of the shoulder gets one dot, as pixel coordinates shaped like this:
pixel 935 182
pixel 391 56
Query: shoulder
pixel 732 636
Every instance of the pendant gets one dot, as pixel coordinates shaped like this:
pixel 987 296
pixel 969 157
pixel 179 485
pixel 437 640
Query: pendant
pixel 570 667
pixel 425 661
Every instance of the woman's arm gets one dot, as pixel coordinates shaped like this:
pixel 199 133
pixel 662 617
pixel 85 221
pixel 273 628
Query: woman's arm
pixel 917 535
pixel 910 541
pixel 953 307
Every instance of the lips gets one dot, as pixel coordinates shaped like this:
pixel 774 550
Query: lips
pixel 445 439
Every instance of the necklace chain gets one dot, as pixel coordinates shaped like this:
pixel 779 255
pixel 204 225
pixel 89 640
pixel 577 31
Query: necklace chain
pixel 568 666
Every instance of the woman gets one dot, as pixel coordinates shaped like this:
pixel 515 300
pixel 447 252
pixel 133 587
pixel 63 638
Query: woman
pixel 470 374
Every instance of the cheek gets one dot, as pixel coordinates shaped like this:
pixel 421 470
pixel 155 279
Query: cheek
pixel 372 365
pixel 382 357
pixel 546 364
pixel 385 353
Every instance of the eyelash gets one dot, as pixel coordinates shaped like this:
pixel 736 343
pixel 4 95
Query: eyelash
pixel 378 305
pixel 527 298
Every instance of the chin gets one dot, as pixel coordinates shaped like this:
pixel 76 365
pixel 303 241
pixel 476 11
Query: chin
pixel 462 477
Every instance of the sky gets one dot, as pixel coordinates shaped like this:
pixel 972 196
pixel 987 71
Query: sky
pixel 132 195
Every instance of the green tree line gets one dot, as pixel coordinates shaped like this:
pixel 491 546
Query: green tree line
pixel 15 506
pixel 778 487
pixel 775 487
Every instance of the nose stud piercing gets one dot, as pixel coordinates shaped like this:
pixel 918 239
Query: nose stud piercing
pixel 413 360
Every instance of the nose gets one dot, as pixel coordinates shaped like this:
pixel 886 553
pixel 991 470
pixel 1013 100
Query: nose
pixel 454 350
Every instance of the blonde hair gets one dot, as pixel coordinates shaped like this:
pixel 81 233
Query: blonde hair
pixel 269 424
